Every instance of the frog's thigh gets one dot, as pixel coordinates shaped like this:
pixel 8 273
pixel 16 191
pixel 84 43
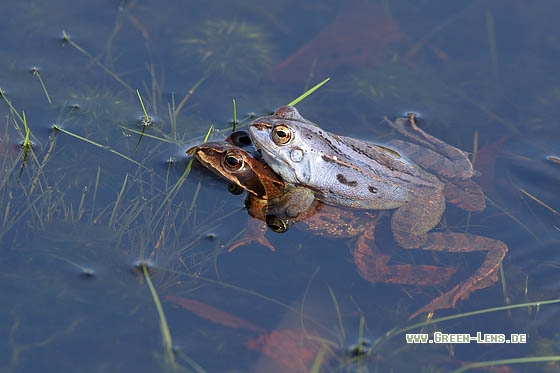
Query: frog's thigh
pixel 412 221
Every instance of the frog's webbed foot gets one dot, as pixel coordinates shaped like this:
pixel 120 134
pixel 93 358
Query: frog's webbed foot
pixel 253 234
pixel 431 153
pixel 483 277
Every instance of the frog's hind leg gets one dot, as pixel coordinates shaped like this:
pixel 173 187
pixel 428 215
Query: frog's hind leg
pixel 465 194
pixel 485 276
pixel 429 152
pixel 373 267
pixel 255 233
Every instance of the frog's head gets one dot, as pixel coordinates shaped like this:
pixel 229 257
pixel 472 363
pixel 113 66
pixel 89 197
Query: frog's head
pixel 278 136
pixel 239 167
pixel 289 113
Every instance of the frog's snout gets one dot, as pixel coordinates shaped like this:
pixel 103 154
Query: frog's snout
pixel 192 151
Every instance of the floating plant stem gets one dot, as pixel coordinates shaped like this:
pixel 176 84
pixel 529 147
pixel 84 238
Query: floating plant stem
pixel 308 92
pixel 540 202
pixel 162 139
pixel 188 95
pixel 169 357
pixel 26 145
pixel 172 116
pixel 234 115
pixel 106 147
pixel 117 202
pixel 95 189
pixel 147 120
pixel 319 359
pixel 75 45
pixel 176 187
pixel 338 314
pixel 46 157
pixel 35 71
pixel 12 108
pixel 26 142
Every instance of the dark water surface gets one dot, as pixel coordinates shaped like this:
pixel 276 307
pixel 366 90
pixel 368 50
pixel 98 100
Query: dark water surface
pixel 87 203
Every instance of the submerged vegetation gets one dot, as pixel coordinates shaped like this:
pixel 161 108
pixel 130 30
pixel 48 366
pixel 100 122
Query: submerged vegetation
pixel 228 49
pixel 60 193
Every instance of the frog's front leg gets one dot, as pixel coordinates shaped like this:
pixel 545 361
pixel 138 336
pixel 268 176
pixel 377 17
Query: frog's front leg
pixel 254 233
pixel 373 267
pixel 485 276
pixel 411 222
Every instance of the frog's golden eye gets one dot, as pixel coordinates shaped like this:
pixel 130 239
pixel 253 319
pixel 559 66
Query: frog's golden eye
pixel 281 135
pixel 232 161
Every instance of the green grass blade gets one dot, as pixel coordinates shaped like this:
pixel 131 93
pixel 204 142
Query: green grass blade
pixel 318 360
pixel 234 116
pixel 12 108
pixel 147 119
pixel 75 45
pixel 26 142
pixel 35 72
pixel 308 92
pixel 210 129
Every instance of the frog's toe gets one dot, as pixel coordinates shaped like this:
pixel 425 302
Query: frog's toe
pixel 247 241
pixel 444 301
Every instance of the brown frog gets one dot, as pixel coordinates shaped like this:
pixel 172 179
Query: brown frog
pixel 343 171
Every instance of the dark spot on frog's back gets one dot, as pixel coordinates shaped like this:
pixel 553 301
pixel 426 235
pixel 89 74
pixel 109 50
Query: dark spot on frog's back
pixel 372 189
pixel 343 180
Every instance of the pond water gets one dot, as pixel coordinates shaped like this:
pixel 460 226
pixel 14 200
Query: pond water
pixel 104 218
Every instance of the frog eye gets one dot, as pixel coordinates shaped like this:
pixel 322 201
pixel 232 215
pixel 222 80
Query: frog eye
pixel 281 135
pixel 276 224
pixel 233 161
